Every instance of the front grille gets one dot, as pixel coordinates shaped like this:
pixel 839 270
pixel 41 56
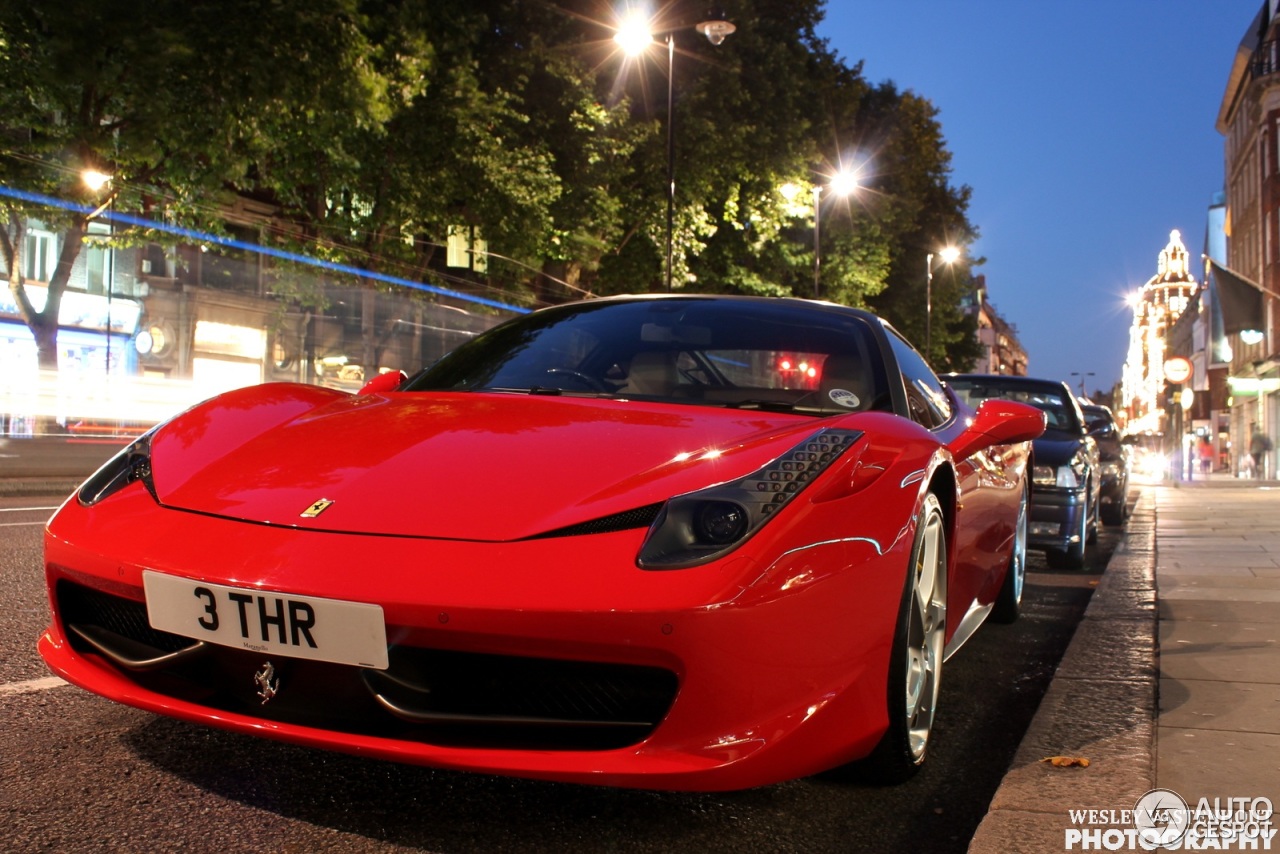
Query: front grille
pixel 445 697
pixel 84 606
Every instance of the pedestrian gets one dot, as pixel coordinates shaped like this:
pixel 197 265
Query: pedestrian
pixel 1259 447
pixel 1206 455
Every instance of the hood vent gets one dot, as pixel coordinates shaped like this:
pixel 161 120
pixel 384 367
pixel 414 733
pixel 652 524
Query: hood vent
pixel 640 517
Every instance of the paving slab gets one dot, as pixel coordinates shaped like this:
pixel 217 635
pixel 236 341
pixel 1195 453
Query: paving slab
pixel 1223 612
pixel 1202 763
pixel 1217 705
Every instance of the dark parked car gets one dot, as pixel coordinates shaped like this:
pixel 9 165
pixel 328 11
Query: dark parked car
pixel 1067 478
pixel 1114 491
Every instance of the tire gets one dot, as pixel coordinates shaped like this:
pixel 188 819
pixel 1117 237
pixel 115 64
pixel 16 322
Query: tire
pixel 1117 511
pixel 1009 600
pixel 915 664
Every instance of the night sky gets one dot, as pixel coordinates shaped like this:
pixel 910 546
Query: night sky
pixel 1087 131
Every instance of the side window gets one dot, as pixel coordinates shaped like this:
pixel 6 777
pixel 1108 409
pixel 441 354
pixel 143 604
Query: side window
pixel 925 397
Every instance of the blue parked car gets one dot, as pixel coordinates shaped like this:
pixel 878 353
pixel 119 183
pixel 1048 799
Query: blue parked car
pixel 1067 478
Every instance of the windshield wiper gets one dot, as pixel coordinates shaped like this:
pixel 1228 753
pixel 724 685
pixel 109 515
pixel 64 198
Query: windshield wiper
pixel 767 405
pixel 547 391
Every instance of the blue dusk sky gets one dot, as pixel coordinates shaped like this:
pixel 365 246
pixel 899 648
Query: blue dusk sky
pixel 1087 132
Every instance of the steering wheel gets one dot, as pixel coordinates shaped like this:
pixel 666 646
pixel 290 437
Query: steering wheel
pixel 590 382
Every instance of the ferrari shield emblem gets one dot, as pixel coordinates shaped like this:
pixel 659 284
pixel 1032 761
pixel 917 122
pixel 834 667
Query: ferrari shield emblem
pixel 317 508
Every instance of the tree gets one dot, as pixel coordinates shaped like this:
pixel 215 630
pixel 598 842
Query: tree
pixel 922 213
pixel 177 105
pixel 376 126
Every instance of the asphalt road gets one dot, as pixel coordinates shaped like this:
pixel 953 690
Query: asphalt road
pixel 78 773
pixel 55 457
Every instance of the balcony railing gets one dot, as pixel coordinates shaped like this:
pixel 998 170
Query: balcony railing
pixel 1266 59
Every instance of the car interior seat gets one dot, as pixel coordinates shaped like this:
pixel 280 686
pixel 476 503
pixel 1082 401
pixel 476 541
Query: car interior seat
pixel 846 375
pixel 652 373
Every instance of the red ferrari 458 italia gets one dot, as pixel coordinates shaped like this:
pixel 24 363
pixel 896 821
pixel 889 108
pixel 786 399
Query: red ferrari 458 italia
pixel 671 542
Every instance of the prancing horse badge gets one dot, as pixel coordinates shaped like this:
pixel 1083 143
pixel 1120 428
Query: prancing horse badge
pixel 316 509
pixel 267 683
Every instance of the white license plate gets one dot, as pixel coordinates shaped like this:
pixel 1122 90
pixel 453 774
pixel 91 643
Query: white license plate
pixel 268 622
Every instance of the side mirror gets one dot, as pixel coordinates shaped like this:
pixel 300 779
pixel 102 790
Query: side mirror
pixel 390 381
pixel 998 422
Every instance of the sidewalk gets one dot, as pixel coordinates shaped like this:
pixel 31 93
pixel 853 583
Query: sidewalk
pixel 1172 680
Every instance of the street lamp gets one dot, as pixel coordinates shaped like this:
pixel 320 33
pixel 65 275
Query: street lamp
pixel 842 184
pixel 1082 375
pixel 96 181
pixel 947 255
pixel 634 36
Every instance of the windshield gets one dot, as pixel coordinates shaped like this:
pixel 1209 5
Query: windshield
pixel 1053 399
pixel 765 354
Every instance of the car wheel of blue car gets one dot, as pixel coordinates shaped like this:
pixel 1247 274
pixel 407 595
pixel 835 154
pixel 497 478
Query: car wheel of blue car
pixel 1009 601
pixel 915 665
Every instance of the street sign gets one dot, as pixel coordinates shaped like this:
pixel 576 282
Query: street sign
pixel 1177 370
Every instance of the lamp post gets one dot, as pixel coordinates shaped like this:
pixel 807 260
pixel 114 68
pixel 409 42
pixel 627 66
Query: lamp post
pixel 1082 375
pixel 948 255
pixel 842 184
pixel 96 181
pixel 634 36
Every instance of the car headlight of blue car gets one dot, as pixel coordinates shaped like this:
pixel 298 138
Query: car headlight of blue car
pixel 1069 476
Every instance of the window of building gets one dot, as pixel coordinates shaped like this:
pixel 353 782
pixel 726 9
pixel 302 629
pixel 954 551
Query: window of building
pixel 98 259
pixel 39 255
pixel 233 268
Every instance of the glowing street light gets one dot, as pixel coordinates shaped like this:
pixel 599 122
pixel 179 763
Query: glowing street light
pixel 842 184
pixel 634 35
pixel 947 255
pixel 96 181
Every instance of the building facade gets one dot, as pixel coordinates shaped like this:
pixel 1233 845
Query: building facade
pixel 1145 405
pixel 1249 277
pixel 147 330
pixel 1002 352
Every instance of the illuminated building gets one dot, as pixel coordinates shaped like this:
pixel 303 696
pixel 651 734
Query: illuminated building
pixel 1156 307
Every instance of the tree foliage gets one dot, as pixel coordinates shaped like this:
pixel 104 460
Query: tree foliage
pixel 377 125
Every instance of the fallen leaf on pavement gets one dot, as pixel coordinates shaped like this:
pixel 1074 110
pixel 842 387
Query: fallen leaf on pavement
pixel 1066 761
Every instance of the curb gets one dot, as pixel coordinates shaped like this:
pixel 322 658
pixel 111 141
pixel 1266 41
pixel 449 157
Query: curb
pixel 1101 706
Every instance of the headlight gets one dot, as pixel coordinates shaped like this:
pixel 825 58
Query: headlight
pixel 131 464
pixel 701 526
pixel 1112 469
pixel 1070 476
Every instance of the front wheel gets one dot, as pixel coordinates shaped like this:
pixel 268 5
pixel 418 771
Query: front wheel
pixel 915 664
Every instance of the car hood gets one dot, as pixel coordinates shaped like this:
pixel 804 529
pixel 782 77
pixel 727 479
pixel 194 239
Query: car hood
pixel 1056 447
pixel 472 466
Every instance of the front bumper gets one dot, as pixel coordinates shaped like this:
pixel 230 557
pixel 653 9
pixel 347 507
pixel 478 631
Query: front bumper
pixel 1055 520
pixel 749 672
